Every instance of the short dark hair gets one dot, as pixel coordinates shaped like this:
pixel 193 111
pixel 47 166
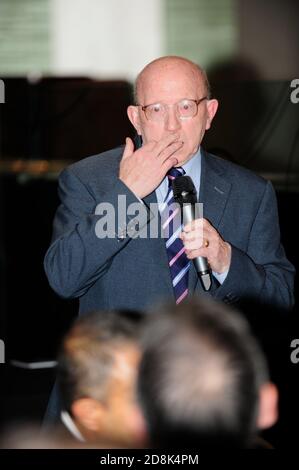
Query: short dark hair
pixel 200 376
pixel 87 354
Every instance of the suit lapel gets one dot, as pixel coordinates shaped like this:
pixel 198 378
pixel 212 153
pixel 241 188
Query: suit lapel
pixel 214 190
pixel 151 198
pixel 214 193
pixel 159 247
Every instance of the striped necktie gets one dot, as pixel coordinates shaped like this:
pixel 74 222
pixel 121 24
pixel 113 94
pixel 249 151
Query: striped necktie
pixel 171 225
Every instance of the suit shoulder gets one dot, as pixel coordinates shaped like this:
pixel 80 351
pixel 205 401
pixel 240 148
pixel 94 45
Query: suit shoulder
pixel 237 173
pixel 100 164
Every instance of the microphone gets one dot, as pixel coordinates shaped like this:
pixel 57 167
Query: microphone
pixel 184 192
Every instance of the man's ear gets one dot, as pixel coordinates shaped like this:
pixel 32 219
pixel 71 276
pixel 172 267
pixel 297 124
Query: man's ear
pixel 133 115
pixel 88 413
pixel 268 406
pixel 212 106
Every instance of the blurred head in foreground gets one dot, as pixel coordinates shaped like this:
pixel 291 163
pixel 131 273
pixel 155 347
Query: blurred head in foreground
pixel 97 371
pixel 203 379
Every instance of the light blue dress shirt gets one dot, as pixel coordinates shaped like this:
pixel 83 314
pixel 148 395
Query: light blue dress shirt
pixel 192 169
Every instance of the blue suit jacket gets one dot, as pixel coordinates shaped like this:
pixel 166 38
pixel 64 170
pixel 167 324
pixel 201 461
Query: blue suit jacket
pixel 133 273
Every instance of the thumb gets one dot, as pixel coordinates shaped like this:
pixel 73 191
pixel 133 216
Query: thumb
pixel 129 148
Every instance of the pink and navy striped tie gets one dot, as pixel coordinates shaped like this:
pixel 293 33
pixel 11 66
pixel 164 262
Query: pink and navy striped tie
pixel 177 259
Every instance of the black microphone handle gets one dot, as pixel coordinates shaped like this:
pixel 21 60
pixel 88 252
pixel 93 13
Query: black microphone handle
pixel 201 264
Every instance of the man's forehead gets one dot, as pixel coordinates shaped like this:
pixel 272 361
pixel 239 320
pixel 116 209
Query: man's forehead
pixel 169 79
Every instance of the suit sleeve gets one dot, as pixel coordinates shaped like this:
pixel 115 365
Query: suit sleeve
pixel 78 255
pixel 262 271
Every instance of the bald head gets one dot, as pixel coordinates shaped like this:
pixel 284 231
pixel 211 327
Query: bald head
pixel 171 65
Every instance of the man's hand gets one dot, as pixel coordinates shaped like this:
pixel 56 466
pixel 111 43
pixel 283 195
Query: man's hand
pixel 201 239
pixel 144 169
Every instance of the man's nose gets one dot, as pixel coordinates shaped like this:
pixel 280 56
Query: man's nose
pixel 172 121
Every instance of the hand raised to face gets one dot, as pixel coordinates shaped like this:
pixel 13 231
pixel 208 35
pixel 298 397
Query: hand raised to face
pixel 143 170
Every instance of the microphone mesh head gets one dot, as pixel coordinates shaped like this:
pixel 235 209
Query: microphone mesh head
pixel 184 190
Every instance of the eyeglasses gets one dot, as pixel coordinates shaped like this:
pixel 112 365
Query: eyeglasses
pixel 185 109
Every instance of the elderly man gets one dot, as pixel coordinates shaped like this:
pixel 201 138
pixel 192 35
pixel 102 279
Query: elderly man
pixel 238 234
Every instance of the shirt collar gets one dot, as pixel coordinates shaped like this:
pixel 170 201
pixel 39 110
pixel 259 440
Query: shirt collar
pixel 192 165
pixel 71 426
